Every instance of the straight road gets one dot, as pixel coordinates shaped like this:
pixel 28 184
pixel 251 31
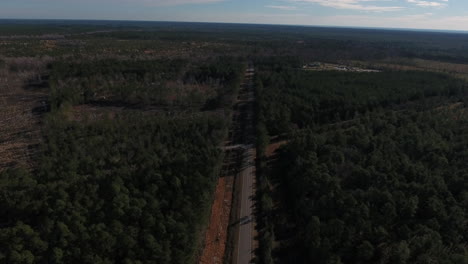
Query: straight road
pixel 247 176
pixel 245 253
pixel 238 162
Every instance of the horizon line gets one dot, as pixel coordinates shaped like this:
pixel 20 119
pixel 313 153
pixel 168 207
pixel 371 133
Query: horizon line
pixel 240 23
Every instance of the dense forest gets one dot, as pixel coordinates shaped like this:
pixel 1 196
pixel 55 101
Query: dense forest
pixel 111 135
pixel 134 185
pixel 60 38
pixel 390 189
pixel 133 190
pixel 145 82
pixel 294 98
pixel 374 171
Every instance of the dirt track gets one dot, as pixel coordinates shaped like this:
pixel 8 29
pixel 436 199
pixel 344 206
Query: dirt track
pixel 216 235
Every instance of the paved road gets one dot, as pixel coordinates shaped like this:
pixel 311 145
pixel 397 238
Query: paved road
pixel 247 176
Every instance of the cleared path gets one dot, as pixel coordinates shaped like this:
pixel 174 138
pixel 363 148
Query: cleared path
pixel 247 175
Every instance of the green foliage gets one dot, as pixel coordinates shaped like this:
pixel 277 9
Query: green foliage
pixel 375 171
pixel 376 168
pixel 388 201
pixel 144 83
pixel 296 98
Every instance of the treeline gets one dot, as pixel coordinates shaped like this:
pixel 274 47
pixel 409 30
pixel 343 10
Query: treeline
pixel 145 82
pixel 136 189
pixel 265 227
pixel 325 44
pixel 374 171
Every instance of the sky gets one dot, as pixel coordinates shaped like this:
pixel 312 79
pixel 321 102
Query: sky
pixel 417 14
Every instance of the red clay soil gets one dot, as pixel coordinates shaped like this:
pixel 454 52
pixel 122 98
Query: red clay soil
pixel 216 234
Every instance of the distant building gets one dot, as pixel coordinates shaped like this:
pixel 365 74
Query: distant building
pixel 315 64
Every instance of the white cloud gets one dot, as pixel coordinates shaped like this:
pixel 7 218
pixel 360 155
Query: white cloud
pixel 422 3
pixel 137 3
pixel 359 5
pixel 174 2
pixel 282 7
pixel 420 21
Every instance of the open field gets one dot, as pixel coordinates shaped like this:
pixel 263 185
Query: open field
pixel 319 66
pixel 404 64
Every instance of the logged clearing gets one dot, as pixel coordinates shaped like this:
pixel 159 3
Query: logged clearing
pixel 22 103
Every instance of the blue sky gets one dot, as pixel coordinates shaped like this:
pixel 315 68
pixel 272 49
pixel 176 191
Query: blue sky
pixel 425 14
